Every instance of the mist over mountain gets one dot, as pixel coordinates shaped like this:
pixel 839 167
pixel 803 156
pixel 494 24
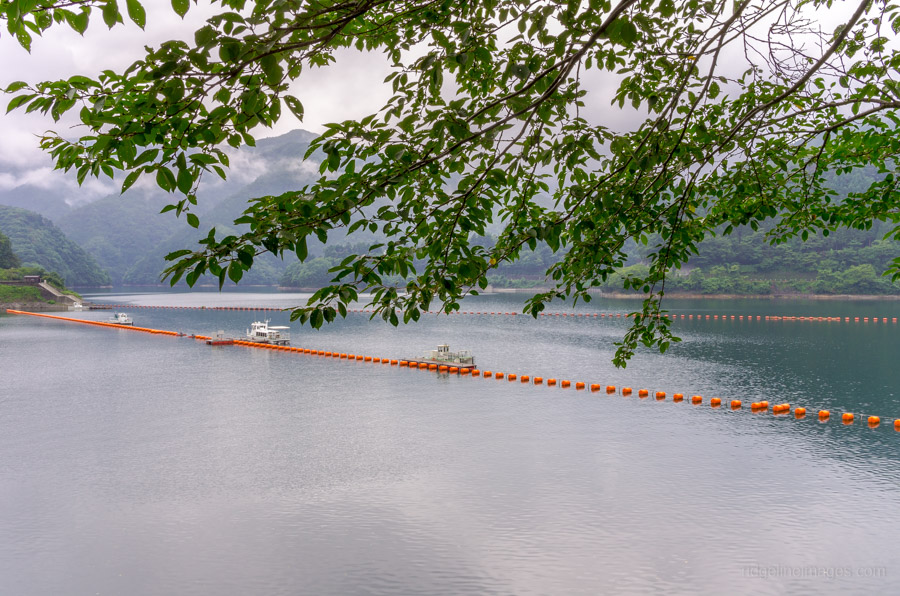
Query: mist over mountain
pixel 127 235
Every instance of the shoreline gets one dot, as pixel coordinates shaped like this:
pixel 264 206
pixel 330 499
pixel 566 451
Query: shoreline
pixel 598 293
pixel 33 307
pixel 692 296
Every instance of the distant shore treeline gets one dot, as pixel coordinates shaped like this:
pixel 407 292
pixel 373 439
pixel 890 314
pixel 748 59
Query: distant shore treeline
pixel 846 262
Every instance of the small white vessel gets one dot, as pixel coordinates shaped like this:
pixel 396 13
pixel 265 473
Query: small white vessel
pixel 120 318
pixel 260 332
pixel 443 355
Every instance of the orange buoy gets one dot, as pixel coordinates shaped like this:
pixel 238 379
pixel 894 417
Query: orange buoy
pixel 715 402
pixel 873 421
pixel 511 376
pixel 443 368
pixel 538 380
pixel 625 390
pixel 662 395
pixel 344 356
pixel 847 417
pixel 579 385
pixel 897 424
pixel 423 365
pixel 824 414
pixel 524 378
pixel 611 389
pixel 359 357
pixel 367 358
pixel 475 372
pixel 551 381
pixel 735 404
pixel 498 375
pixel 696 399
pixel 565 384
pixel 643 393
pixel 754 406
pixel 488 374
pixel 595 387
pixel 799 412
pixel 464 371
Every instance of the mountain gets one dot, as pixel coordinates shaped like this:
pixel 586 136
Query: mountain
pixel 47 202
pixel 278 167
pixel 119 230
pixel 37 241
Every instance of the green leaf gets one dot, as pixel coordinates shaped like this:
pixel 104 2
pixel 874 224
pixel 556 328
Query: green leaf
pixel 300 249
pixel 181 7
pixel 111 13
pixel 193 220
pixel 136 13
pixel 165 179
pixel 184 181
pixel 130 179
pixel 294 106
pixel 235 271
pixel 15 86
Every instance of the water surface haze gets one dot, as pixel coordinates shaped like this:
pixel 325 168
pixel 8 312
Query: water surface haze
pixel 133 463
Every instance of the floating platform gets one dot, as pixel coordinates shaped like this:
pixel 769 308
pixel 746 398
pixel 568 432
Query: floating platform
pixel 219 340
pixel 439 362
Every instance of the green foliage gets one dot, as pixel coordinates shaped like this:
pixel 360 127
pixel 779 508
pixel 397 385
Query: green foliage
pixel 38 242
pixel 8 258
pixel 489 125
pixel 26 294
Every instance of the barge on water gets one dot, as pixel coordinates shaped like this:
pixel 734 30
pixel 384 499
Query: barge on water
pixel 260 332
pixel 443 356
pixel 120 318
pixel 220 340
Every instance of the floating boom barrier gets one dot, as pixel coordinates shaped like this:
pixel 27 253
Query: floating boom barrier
pixel 604 315
pixel 761 407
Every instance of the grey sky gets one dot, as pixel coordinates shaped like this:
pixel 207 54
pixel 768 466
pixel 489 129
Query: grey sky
pixel 351 90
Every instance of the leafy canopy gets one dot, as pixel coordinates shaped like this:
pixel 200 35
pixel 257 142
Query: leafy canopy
pixel 742 112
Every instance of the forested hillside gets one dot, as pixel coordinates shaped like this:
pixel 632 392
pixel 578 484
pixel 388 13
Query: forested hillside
pixel 129 236
pixel 8 259
pixel 844 262
pixel 36 241
pixel 119 231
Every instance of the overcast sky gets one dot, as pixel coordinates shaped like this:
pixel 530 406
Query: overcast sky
pixel 352 90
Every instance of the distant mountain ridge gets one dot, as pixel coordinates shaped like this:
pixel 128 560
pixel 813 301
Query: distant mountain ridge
pixel 37 241
pixel 127 235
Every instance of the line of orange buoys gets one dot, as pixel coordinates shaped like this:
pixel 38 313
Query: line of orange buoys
pixel 782 409
pixel 101 323
pixel 674 317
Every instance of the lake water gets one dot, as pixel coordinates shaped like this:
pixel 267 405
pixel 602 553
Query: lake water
pixel 139 464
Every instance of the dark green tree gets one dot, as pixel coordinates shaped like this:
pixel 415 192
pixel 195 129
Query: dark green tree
pixel 8 259
pixel 743 112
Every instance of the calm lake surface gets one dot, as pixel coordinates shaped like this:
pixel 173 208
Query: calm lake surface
pixel 133 463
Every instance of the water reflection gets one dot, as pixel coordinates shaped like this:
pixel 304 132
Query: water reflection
pixel 146 465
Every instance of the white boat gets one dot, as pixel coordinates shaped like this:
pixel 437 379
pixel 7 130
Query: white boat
pixel 120 318
pixel 261 332
pixel 443 355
